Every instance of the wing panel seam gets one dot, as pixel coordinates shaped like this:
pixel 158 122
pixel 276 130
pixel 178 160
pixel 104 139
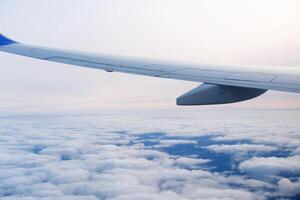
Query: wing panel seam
pixel 100 63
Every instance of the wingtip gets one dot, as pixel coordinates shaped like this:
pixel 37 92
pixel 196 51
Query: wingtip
pixel 5 41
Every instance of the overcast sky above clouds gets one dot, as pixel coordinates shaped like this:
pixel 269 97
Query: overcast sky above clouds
pixel 255 32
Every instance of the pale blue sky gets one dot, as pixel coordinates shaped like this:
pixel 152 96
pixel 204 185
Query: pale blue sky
pixel 255 32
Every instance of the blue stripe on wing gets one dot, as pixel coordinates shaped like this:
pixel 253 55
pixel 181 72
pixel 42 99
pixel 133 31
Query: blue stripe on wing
pixel 5 41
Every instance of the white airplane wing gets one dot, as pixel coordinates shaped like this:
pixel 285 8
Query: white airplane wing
pixel 221 84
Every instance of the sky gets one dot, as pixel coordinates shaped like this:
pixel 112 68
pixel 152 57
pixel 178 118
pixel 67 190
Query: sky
pixel 249 32
pixel 72 133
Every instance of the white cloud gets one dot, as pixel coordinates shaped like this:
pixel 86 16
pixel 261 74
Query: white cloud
pixel 288 188
pixel 240 152
pixel 271 166
pixel 241 148
pixel 91 157
pixel 190 162
pixel 169 143
pixel 296 151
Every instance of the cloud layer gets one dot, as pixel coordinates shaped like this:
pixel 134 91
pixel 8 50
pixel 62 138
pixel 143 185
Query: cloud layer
pixel 127 156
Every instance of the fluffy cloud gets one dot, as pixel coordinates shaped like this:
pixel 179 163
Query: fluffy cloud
pixel 190 162
pixel 118 175
pixel 271 166
pixel 288 188
pixel 296 151
pixel 169 143
pixel 241 148
pixel 103 157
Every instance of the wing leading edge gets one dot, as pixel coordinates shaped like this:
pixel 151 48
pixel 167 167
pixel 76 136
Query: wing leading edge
pixel 223 84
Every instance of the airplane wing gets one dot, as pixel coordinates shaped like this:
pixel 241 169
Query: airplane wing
pixel 221 84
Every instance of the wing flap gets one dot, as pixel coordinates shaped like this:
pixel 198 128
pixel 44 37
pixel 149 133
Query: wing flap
pixel 255 77
pixel 290 80
pixel 198 73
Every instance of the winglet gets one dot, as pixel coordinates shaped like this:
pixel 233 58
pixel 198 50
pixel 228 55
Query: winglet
pixel 5 41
